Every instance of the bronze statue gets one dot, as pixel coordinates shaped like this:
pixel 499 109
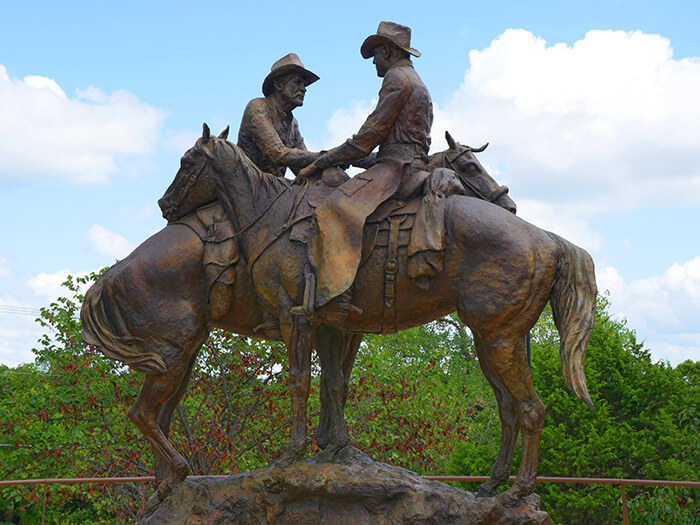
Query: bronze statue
pixel 400 126
pixel 431 235
pixel 499 272
pixel 269 133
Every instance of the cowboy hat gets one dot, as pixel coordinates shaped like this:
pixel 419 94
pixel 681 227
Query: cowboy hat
pixel 284 66
pixel 392 34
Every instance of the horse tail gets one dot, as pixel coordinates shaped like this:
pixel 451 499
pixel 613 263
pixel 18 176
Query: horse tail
pixel 99 316
pixel 573 301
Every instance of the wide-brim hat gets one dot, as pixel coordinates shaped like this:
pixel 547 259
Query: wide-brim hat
pixel 284 66
pixel 392 34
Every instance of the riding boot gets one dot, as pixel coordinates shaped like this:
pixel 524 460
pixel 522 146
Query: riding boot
pixel 270 326
pixel 335 311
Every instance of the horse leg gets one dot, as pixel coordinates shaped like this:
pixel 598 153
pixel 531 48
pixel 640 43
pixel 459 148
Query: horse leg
pixel 334 348
pixel 506 363
pixel 531 411
pixel 157 390
pixel 509 422
pixel 298 337
pixel 165 414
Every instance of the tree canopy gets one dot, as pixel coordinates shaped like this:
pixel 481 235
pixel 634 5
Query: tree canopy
pixel 417 399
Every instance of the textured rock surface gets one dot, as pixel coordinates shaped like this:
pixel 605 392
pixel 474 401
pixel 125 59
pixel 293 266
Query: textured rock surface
pixel 348 488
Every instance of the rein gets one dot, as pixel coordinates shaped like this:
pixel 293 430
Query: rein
pixel 229 208
pixel 446 160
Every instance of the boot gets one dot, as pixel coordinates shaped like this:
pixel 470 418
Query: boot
pixel 270 326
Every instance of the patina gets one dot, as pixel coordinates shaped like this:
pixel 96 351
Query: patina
pixel 400 127
pixel 419 236
pixel 269 133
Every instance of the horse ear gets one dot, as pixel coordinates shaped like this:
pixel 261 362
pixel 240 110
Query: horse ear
pixel 206 132
pixel 450 141
pixel 224 133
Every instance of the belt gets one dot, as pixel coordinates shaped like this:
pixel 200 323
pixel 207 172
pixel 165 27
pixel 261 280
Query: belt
pixel 405 152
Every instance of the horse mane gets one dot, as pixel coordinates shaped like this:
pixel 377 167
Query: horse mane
pixel 228 158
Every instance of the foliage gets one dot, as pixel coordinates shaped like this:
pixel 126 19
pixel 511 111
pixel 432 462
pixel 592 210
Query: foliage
pixel 64 416
pixel 635 431
pixel 414 397
pixel 417 399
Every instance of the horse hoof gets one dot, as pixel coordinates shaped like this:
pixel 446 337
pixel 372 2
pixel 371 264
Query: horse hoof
pixel 339 444
pixel 289 458
pixel 486 492
pixel 510 500
pixel 322 442
pixel 152 504
pixel 164 490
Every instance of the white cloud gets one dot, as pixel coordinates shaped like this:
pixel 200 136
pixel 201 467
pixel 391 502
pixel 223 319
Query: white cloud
pixel 109 243
pixel 663 309
pixel 48 285
pixel 611 122
pixel 344 122
pixel 563 220
pixel 46 134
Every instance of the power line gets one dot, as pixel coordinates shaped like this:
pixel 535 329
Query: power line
pixel 18 310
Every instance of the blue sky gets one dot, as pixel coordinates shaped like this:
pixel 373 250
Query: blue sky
pixel 592 110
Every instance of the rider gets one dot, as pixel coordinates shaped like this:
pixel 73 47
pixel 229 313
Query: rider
pixel 400 126
pixel 269 133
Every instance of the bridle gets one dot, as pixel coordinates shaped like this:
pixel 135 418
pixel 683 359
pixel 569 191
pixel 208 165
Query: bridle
pixel 448 162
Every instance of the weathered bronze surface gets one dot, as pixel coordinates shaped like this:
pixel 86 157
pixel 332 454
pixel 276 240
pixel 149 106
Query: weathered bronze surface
pixel 433 235
pixel 348 489
pixel 269 134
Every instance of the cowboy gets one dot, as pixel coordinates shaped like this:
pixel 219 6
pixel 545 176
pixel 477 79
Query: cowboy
pixel 269 133
pixel 400 126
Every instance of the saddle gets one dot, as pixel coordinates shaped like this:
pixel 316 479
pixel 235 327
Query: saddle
pixel 397 224
pixel 221 253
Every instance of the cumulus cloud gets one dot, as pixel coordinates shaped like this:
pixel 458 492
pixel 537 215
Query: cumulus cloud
pixel 109 243
pixel 563 220
pixel 611 122
pixel 664 309
pixel 48 285
pixel 46 134
pixel 344 122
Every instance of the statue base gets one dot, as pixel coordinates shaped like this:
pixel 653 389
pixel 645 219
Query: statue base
pixel 343 488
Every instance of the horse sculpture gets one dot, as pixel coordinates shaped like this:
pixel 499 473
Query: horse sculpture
pixel 152 310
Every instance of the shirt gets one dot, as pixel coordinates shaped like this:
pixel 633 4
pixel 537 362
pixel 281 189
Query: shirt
pixel 403 117
pixel 270 137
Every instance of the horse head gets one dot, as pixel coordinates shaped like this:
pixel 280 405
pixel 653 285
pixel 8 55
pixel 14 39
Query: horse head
pixel 476 180
pixel 192 186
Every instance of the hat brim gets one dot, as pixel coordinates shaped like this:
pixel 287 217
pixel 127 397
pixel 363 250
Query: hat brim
pixel 268 83
pixel 367 49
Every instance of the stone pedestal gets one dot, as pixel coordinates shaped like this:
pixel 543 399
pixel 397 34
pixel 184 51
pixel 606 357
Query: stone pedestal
pixel 346 489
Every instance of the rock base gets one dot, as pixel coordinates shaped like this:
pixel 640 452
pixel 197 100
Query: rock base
pixel 345 489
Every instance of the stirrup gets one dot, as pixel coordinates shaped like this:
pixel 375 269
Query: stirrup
pixel 306 309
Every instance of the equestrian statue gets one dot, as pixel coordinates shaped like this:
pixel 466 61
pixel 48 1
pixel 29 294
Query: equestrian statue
pixel 318 261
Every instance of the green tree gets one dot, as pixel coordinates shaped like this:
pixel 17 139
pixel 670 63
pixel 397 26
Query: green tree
pixel 416 394
pixel 635 431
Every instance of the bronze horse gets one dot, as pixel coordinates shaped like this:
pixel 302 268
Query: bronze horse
pixel 151 309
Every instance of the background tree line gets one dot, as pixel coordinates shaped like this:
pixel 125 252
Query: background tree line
pixel 418 400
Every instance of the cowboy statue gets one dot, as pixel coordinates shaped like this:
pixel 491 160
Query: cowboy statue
pixel 400 126
pixel 269 133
